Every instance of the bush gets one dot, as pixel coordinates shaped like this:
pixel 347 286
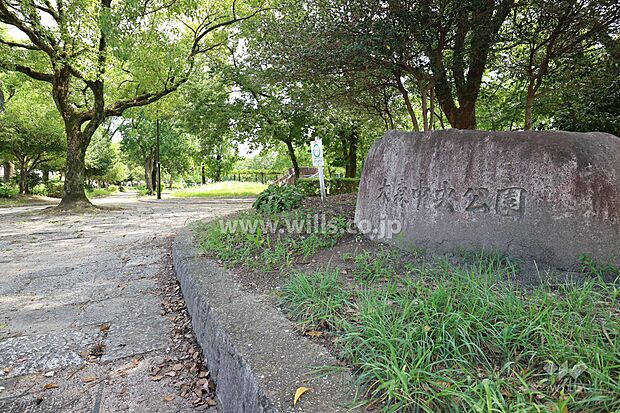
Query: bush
pixel 8 191
pixel 55 189
pixel 277 199
pixel 333 186
pixel 339 186
pixel 39 189
pixel 309 186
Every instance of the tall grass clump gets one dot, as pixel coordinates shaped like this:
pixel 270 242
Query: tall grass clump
pixel 462 339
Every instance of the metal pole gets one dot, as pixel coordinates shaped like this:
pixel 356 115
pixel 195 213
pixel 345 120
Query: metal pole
pixel 158 164
pixel 322 182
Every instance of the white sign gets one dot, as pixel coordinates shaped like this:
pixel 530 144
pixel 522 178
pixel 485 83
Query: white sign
pixel 316 147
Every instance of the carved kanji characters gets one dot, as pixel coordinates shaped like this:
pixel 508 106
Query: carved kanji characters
pixel 445 197
pixel 510 201
pixel 384 191
pixel 479 200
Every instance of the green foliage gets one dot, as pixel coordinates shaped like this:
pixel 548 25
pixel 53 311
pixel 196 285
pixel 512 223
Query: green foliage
pixel 54 189
pixel 276 199
pixel 222 189
pixel 456 339
pixel 8 190
pixel 31 132
pixel 308 186
pixel 334 186
pixel 339 186
pixel 591 267
pixel 315 300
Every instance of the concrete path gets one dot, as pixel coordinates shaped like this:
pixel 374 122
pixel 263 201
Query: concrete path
pixel 90 314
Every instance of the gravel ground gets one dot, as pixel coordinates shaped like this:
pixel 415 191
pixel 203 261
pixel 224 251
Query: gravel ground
pixel 91 318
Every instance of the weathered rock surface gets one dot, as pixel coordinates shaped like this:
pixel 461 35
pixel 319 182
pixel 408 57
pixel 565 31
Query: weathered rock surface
pixel 546 196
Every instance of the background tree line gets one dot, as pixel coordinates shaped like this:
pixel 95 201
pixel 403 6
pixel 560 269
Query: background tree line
pixel 273 75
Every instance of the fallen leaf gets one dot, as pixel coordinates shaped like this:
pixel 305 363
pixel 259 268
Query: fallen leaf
pixel 157 378
pixel 169 398
pixel 298 393
pixel 50 386
pixel 314 333
pixel 211 402
pixel 49 374
pixel 89 379
pixel 177 367
pixel 171 374
pixel 104 327
pixel 135 362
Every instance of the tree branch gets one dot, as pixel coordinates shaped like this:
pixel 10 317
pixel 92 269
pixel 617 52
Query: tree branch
pixel 45 77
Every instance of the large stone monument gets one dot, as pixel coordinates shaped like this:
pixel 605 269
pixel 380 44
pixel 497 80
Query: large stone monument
pixel 545 196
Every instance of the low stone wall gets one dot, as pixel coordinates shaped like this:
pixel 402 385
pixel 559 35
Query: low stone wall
pixel 544 196
pixel 252 351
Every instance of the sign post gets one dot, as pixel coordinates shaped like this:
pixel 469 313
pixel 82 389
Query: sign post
pixel 316 147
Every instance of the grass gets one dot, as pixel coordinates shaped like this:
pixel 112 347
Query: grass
pixel 460 338
pixel 101 192
pixel 13 201
pixel 222 189
pixel 261 247
pixel 22 200
pixel 425 335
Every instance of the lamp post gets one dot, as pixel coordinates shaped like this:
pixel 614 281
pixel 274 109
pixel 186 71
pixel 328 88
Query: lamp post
pixel 158 162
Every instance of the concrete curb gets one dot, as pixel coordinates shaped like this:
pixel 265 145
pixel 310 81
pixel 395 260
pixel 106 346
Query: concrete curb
pixel 252 351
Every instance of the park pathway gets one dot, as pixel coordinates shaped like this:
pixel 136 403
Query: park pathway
pixel 90 314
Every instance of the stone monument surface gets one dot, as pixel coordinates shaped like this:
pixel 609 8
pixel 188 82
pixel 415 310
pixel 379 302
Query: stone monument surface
pixel 547 196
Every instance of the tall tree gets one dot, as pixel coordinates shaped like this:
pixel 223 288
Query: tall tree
pixel 31 133
pixel 103 57
pixel 541 34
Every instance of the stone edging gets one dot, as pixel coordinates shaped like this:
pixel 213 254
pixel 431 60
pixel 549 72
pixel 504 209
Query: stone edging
pixel 253 352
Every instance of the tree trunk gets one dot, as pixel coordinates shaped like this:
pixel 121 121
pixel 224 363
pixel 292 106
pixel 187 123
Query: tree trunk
pixel 148 174
pixel 431 118
pixel 351 166
pixel 291 154
pixel 218 168
pixel 154 177
pixel 8 171
pixel 405 95
pixel 77 143
pixel 466 116
pixel 204 176
pixel 532 88
pixel 23 180
pixel 529 104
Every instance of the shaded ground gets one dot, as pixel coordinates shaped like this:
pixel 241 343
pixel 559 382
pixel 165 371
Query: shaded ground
pixel 90 313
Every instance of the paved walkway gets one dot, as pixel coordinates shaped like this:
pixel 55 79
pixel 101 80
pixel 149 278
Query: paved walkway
pixel 90 315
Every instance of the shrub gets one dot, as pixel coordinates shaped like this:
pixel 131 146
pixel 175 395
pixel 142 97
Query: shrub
pixel 277 199
pixel 55 189
pixel 309 186
pixel 39 189
pixel 333 186
pixel 8 191
pixel 339 186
